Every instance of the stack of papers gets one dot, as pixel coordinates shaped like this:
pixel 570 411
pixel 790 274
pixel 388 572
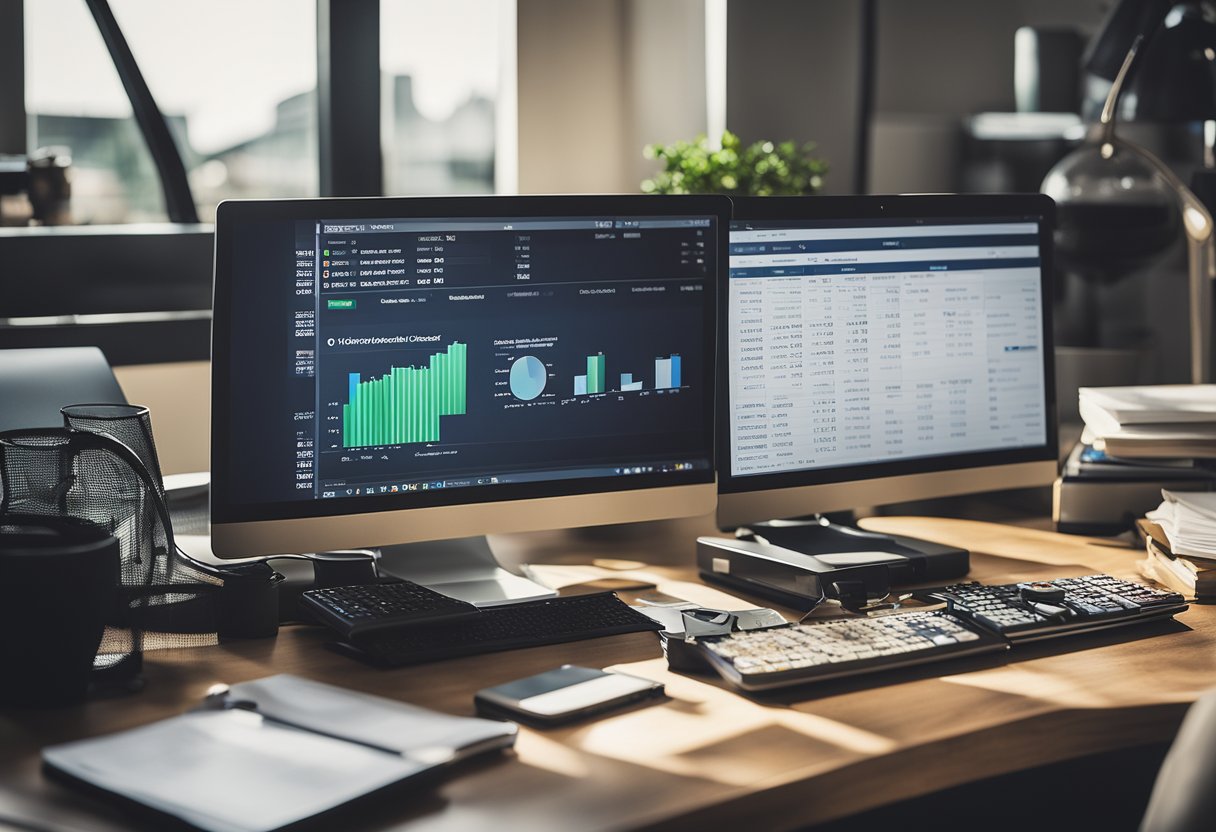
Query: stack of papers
pixel 1165 420
pixel 1188 520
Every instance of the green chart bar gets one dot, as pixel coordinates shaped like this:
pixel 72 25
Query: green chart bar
pixel 404 405
pixel 595 373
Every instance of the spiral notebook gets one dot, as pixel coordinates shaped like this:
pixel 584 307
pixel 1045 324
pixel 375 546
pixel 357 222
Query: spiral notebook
pixel 235 771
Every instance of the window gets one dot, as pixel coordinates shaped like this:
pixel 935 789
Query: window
pixel 447 71
pixel 236 80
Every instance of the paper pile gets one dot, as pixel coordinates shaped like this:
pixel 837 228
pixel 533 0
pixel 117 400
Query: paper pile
pixel 1164 420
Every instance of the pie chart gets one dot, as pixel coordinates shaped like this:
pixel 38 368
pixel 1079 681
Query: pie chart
pixel 528 377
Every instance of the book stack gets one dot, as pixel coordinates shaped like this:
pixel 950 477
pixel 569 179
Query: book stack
pixel 1137 442
pixel 1180 540
pixel 1157 421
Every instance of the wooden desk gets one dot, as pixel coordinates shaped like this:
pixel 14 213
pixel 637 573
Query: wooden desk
pixel 707 757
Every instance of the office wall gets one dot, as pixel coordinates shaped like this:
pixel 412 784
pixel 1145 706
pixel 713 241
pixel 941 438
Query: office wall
pixel 665 82
pixel 792 73
pixel 571 95
pixel 598 80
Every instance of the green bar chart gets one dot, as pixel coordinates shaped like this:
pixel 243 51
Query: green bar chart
pixel 594 382
pixel 405 405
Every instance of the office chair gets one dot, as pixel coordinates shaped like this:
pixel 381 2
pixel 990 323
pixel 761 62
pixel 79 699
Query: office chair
pixel 1183 798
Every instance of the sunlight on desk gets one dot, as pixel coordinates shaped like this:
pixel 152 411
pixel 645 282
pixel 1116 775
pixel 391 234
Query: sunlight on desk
pixel 1013 542
pixel 560 576
pixel 710 732
pixel 538 751
pixel 1036 683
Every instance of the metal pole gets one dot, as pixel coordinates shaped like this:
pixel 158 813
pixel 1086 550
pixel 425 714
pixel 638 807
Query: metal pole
pixel 348 97
pixel 179 202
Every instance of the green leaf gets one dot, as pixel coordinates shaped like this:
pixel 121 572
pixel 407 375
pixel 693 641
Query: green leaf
pixel 761 168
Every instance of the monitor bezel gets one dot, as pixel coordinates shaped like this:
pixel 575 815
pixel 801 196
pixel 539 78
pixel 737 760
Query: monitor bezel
pixel 226 515
pixel 922 477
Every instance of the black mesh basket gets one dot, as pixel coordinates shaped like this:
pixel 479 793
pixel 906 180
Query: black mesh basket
pixel 69 474
pixel 130 424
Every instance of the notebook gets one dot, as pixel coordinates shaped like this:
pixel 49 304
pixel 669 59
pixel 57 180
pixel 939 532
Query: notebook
pixel 235 771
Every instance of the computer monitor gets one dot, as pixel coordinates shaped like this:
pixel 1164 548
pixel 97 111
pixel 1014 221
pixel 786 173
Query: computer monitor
pixel 879 350
pixel 391 370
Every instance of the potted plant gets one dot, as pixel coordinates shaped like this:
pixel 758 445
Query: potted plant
pixel 763 168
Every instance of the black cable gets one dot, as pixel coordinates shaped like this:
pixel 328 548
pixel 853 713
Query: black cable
pixel 866 59
pixel 179 202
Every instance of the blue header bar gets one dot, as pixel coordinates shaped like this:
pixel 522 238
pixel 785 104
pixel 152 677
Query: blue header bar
pixel 880 243
pixel 883 268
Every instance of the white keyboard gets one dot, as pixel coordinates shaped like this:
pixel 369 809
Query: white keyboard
pixel 763 659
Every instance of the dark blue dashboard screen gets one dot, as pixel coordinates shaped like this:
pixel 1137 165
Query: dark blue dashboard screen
pixel 432 361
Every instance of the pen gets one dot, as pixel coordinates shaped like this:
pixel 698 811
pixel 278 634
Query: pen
pixel 218 698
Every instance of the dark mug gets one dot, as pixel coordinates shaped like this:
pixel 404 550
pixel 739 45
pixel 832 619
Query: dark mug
pixel 58 585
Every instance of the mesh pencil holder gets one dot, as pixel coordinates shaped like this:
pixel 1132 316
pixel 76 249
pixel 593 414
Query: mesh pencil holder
pixel 163 598
pixel 61 475
pixel 188 598
pixel 130 424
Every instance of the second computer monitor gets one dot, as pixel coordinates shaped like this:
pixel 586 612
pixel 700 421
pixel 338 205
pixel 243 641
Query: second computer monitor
pixel 882 349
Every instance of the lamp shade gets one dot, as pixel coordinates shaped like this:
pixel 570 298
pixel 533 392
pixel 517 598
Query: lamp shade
pixel 1176 77
pixel 1125 21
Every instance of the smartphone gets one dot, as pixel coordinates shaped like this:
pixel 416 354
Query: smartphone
pixel 563 695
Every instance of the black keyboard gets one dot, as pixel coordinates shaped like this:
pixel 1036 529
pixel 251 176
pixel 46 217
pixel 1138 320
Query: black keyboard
pixel 764 659
pixel 1063 607
pixel 529 624
pixel 357 611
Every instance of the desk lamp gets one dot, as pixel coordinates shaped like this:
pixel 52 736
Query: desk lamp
pixel 1118 203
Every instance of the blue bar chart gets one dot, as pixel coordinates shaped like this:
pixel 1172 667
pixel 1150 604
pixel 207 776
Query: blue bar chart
pixel 667 372
pixel 667 376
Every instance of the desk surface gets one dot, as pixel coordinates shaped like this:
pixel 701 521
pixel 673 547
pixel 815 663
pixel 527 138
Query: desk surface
pixel 708 755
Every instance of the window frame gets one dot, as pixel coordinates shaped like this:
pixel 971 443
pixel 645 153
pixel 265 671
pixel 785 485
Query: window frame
pixel 156 303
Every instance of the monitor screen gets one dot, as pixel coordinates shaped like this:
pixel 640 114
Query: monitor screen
pixel 386 354
pixel 879 345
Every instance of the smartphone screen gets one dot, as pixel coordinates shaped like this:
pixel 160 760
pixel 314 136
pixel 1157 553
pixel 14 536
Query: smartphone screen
pixel 563 694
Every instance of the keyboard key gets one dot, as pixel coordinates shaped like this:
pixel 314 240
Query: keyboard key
pixel 353 611
pixel 1090 602
pixel 759 660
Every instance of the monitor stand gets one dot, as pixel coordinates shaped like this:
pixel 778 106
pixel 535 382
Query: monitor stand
pixel 463 568
pixel 841 545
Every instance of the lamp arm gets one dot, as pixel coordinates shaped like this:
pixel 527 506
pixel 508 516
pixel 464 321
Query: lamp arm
pixel 1196 221
pixel 1201 260
pixel 1195 216
pixel 1107 119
